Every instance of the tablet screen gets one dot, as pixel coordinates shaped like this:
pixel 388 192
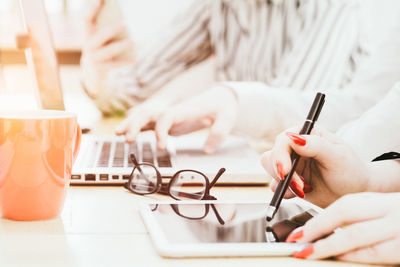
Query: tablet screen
pixel 228 222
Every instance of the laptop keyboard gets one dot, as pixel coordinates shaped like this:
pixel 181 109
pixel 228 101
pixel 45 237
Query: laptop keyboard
pixel 147 153
pixel 116 154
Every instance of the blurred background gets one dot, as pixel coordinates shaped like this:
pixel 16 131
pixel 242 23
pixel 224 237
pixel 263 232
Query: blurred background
pixel 146 20
pixel 66 18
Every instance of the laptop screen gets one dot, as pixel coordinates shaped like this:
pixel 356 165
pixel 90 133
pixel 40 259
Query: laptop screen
pixel 40 54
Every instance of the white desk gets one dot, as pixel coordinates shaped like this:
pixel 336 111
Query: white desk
pixel 101 226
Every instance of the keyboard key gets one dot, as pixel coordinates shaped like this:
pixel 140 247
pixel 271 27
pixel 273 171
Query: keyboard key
pixel 103 177
pixel 147 153
pixel 119 155
pixel 105 155
pixel 133 149
pixel 90 177
pixel 75 176
pixel 164 158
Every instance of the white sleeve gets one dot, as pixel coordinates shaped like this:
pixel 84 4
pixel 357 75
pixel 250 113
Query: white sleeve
pixel 377 131
pixel 264 112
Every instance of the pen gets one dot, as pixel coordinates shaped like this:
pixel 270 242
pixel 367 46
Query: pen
pixel 283 185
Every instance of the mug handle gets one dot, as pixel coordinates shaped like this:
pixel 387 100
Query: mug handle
pixel 77 142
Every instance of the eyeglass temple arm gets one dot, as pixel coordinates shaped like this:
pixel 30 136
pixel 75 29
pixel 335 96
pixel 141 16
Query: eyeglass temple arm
pixel 134 160
pixel 137 165
pixel 219 218
pixel 220 172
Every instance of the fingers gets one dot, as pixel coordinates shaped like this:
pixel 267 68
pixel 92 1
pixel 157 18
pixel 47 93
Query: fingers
pixel 288 193
pixel 320 145
pixel 267 162
pixel 189 127
pixel 312 146
pixel 131 127
pixel 384 252
pixel 280 158
pixel 348 209
pixel 197 113
pixel 163 125
pixel 112 50
pixel 182 114
pixel 219 131
pixel 309 146
pixel 188 122
pixel 122 128
pixel 353 237
pixel 93 9
pixel 105 35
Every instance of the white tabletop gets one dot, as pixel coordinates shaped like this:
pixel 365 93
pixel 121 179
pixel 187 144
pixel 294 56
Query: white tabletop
pixel 101 226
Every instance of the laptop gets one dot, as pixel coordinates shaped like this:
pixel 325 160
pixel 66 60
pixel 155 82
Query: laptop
pixel 105 159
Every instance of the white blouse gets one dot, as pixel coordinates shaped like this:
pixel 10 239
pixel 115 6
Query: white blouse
pixel 285 44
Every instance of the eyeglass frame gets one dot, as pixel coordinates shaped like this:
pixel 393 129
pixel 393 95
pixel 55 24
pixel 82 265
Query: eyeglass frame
pixel 207 210
pixel 166 191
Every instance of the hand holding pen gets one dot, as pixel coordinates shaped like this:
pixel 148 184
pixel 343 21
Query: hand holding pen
pixel 283 185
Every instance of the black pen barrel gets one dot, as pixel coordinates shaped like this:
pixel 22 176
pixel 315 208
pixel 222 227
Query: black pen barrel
pixel 283 185
pixel 316 107
pixel 307 127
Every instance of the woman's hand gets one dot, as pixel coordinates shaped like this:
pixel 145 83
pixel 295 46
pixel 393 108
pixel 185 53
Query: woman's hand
pixel 101 50
pixel 370 233
pixel 216 109
pixel 327 170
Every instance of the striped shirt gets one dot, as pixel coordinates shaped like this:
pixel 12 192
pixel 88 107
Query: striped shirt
pixel 297 44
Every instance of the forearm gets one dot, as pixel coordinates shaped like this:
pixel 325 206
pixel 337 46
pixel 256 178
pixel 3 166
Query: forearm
pixel 174 52
pixel 187 84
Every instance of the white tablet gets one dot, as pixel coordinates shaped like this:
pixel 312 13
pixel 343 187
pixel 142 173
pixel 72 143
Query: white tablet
pixel 215 228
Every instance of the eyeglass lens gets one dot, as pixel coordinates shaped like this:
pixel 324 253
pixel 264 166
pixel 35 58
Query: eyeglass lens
pixel 144 179
pixel 188 185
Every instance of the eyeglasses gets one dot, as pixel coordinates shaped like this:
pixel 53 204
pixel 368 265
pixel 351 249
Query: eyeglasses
pixel 185 184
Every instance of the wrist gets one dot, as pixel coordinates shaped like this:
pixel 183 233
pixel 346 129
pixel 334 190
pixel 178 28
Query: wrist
pixel 383 176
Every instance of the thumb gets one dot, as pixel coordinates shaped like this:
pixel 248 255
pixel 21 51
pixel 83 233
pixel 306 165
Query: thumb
pixel 313 146
pixel 218 132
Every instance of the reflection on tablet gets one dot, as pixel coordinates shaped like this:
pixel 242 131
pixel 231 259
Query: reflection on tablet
pixel 227 223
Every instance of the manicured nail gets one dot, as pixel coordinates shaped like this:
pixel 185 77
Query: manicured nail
pixel 294 236
pixel 307 188
pixel 297 139
pixel 305 253
pixel 279 169
pixel 297 188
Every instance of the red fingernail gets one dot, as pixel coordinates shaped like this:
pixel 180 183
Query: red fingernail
pixel 297 189
pixel 304 253
pixel 297 139
pixel 294 236
pixel 279 168
pixel 307 188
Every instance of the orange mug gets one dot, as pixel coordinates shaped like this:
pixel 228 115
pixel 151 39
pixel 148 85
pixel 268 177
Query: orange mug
pixel 37 150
